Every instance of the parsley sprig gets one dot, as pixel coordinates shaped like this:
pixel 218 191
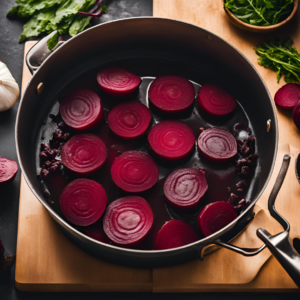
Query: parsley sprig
pixel 281 57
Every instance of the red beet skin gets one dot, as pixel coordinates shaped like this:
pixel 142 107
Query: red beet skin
pixel 128 221
pixel 84 154
pixel 296 115
pixel 83 201
pixel 118 82
pixel 96 232
pixel 8 170
pixel 171 94
pixel 184 188
pixel 287 96
pixel 215 101
pixel 171 140
pixel 134 171
pixel 175 233
pixel 129 120
pixel 215 216
pixel 82 110
pixel 217 145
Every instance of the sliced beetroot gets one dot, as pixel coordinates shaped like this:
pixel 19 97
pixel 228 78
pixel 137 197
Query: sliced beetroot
pixel 82 110
pixel 287 96
pixel 8 170
pixel 184 188
pixel 215 216
pixel 130 119
pixel 296 115
pixel 118 82
pixel 175 233
pixel 217 145
pixel 171 140
pixel 215 101
pixel 134 171
pixel 84 153
pixel 128 221
pixel 96 232
pixel 171 94
pixel 83 201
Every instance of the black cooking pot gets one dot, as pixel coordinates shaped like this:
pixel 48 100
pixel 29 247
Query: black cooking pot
pixel 199 54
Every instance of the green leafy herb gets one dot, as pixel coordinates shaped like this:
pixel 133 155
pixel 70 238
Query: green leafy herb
pixel 49 15
pixel 52 42
pixel 260 12
pixel 281 57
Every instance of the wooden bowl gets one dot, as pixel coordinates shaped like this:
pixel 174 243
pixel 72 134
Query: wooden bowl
pixel 262 29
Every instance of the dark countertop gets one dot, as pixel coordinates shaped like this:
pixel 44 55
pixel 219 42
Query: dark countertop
pixel 11 53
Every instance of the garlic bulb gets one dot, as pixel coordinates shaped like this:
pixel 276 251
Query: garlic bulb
pixel 9 89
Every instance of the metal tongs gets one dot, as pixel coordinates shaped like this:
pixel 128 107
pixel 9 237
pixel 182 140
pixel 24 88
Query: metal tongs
pixel 279 244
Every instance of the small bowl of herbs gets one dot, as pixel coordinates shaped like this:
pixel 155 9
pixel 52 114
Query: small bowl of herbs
pixel 260 15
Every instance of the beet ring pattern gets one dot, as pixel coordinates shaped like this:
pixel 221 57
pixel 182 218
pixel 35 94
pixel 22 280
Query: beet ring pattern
pixel 82 110
pixel 171 94
pixel 217 145
pixel 129 119
pixel 128 221
pixel 83 201
pixel 134 171
pixel 171 140
pixel 118 82
pixel 184 188
pixel 84 153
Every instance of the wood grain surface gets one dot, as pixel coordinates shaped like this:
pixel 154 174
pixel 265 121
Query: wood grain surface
pixel 47 261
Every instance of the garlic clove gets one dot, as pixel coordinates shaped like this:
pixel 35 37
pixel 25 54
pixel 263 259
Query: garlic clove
pixel 9 89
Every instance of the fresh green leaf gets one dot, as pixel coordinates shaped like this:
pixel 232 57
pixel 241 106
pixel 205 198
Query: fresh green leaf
pixel 53 41
pixel 13 11
pixel 47 16
pixel 81 22
pixel 32 6
pixel 260 12
pixel 281 57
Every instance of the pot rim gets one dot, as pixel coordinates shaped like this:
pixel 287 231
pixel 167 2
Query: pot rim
pixel 205 241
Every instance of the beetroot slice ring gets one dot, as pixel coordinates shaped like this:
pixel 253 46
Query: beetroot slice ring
pixel 171 140
pixel 118 82
pixel 175 233
pixel 215 101
pixel 215 216
pixel 83 201
pixel 84 153
pixel 128 221
pixel 184 188
pixel 134 171
pixel 171 94
pixel 287 96
pixel 217 145
pixel 82 110
pixel 8 170
pixel 129 120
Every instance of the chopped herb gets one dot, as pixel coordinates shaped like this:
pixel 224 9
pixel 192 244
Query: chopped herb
pixel 260 12
pixel 281 57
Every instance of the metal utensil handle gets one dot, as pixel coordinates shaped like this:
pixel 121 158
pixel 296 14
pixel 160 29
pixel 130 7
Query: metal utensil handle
pixel 39 52
pixel 279 244
pixel 282 249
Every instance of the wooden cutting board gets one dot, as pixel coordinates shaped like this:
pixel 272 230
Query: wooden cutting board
pixel 47 261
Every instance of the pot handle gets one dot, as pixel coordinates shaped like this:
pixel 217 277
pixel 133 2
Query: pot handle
pixel 39 52
pixel 279 244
